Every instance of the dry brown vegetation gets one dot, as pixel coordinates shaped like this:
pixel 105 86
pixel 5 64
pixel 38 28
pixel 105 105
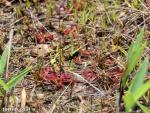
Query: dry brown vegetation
pixel 77 48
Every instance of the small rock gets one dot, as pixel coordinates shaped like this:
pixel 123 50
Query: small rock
pixel 41 50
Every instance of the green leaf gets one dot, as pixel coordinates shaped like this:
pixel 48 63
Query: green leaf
pixel 129 5
pixel 3 60
pixel 85 16
pixel 134 54
pixel 16 79
pixel 137 44
pixel 143 108
pixel 28 4
pixel 142 90
pixel 129 101
pixel 133 60
pixel 2 83
pixel 140 76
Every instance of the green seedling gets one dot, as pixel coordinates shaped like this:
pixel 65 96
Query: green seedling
pixel 92 12
pixel 103 22
pixel 135 4
pixel 20 8
pixel 116 2
pixel 28 4
pixel 72 45
pixel 18 11
pixel 128 3
pixel 84 18
pixel 113 15
pixel 72 49
pixel 50 5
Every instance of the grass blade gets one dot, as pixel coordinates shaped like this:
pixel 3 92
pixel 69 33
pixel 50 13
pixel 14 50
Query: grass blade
pixel 17 78
pixel 3 60
pixel 2 83
pixel 140 76
pixel 142 90
pixel 134 54
pixel 135 46
pixel 137 87
pixel 129 101
pixel 81 78
pixel 143 108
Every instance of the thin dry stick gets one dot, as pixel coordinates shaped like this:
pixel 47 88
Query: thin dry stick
pixel 12 24
pixel 33 21
pixel 23 98
pixel 79 76
pixel 139 25
pixel 54 105
pixel 35 18
pixel 143 4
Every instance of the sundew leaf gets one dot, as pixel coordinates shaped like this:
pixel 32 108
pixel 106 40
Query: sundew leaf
pixel 16 79
pixel 3 60
pixel 140 76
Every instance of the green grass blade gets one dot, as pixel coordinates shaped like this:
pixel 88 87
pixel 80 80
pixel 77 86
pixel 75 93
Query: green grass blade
pixel 134 54
pixel 137 87
pixel 85 16
pixel 133 60
pixel 142 90
pixel 129 101
pixel 3 60
pixel 2 83
pixel 129 5
pixel 143 108
pixel 139 77
pixel 136 45
pixel 16 79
